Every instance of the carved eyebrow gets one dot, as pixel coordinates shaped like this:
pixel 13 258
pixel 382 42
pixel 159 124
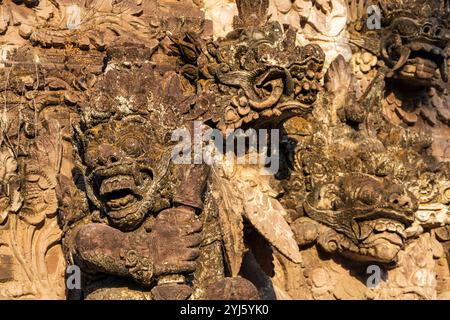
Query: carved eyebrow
pixel 132 119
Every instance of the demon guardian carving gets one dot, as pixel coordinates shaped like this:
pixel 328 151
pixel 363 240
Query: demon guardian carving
pixel 356 178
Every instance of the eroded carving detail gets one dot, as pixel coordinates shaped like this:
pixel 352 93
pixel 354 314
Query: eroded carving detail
pixel 87 178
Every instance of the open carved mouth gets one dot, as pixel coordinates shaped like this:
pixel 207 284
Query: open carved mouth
pixel 122 190
pixel 120 199
pixel 419 62
pixel 391 230
pixel 380 239
pixel 118 192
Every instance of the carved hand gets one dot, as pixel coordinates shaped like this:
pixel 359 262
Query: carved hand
pixel 170 247
pixel 175 240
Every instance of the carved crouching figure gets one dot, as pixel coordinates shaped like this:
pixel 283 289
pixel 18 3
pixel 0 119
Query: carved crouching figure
pixel 365 218
pixel 350 203
pixel 140 236
pixel 414 44
pixel 125 182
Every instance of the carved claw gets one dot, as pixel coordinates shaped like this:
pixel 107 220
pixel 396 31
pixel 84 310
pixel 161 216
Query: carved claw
pixel 405 52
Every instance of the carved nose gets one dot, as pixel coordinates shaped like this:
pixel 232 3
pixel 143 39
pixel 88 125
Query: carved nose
pixel 401 201
pixel 108 154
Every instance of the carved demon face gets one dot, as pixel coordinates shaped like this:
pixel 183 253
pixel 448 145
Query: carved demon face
pixel 120 158
pixel 369 216
pixel 417 41
pixel 255 76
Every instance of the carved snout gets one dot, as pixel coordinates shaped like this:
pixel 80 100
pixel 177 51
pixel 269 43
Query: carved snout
pixel 403 203
pixel 108 155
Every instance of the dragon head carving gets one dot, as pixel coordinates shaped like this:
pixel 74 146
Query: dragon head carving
pixel 256 74
pixel 416 41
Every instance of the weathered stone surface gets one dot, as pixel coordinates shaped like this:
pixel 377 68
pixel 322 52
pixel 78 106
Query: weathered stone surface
pixel 93 92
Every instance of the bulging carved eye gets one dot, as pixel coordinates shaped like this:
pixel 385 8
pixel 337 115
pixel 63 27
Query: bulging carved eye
pixel 427 29
pixel 446 193
pixel 132 145
pixel 368 195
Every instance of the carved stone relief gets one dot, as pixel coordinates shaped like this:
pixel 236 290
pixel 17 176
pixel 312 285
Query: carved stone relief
pixel 92 92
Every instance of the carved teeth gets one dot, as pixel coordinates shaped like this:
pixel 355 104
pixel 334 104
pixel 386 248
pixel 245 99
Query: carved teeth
pixel 401 231
pixel 356 229
pixel 366 229
pixel 416 46
pixel 390 226
pixel 116 183
pixel 436 51
pixel 419 46
pixel 380 227
pixel 122 202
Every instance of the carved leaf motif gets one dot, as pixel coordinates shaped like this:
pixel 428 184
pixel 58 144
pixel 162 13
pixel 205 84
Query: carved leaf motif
pixel 248 8
pixel 84 23
pixel 338 77
pixel 338 83
pixel 32 248
pixel 266 214
pixel 230 215
pixel 244 191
